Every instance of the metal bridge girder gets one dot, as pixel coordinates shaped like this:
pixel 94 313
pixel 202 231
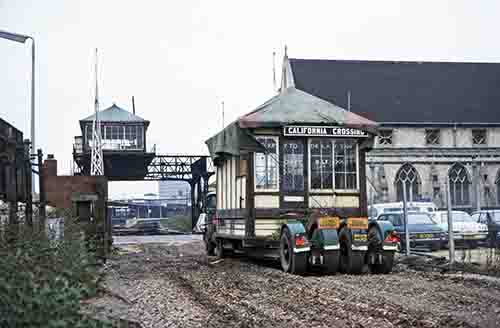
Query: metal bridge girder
pixel 178 167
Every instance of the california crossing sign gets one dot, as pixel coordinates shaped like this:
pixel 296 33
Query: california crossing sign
pixel 323 131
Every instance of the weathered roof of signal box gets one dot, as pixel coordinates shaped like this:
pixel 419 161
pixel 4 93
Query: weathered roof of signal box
pixel 294 106
pixel 116 114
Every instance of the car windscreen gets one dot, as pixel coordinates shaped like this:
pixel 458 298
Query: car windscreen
pixel 415 218
pixel 457 217
pixel 395 219
pixel 461 217
pixel 496 216
pixel 399 209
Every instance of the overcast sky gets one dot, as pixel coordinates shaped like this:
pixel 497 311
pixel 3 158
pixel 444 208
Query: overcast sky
pixel 180 59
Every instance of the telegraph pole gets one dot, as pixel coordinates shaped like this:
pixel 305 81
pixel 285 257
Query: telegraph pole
pixel 451 240
pixel 405 216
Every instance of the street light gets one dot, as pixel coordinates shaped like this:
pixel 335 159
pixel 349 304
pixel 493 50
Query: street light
pixel 22 39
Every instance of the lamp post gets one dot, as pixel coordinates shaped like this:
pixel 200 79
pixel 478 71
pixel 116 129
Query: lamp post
pixel 22 39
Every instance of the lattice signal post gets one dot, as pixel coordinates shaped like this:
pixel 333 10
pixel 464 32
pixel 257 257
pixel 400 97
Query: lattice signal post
pixel 97 165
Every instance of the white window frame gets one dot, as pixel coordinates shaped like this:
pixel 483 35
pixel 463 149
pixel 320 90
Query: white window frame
pixel 305 150
pixel 333 190
pixel 319 191
pixel 357 172
pixel 277 189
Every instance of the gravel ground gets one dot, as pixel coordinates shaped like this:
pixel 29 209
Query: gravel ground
pixel 176 285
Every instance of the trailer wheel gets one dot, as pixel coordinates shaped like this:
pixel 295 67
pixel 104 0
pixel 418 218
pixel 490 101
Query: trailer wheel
pixel 219 249
pixel 375 244
pixel 210 248
pixel 209 245
pixel 350 262
pixel 295 263
pixel 331 261
pixel 374 249
pixel 387 263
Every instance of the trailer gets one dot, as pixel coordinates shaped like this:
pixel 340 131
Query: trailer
pixel 291 184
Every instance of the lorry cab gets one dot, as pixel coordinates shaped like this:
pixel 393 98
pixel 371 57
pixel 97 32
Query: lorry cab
pixel 207 215
pixel 291 184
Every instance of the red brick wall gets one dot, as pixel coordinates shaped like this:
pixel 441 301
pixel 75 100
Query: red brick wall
pixel 60 188
pixel 50 167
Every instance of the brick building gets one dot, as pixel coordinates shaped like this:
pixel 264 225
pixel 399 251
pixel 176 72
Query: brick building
pixel 61 189
pixel 439 122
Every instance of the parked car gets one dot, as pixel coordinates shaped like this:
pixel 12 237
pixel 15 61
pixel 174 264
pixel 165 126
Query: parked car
pixel 491 218
pixel 141 227
pixel 149 226
pixel 376 209
pixel 465 228
pixel 424 232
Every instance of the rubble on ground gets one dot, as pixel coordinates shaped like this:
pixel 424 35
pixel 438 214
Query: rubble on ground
pixel 178 286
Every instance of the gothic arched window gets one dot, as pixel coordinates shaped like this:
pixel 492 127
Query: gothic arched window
pixel 459 185
pixel 408 175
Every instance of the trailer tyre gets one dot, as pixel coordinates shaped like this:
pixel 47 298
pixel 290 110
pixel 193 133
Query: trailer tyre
pixel 375 248
pixel 386 266
pixel 219 249
pixel 295 263
pixel 210 248
pixel 209 245
pixel 350 261
pixel 331 261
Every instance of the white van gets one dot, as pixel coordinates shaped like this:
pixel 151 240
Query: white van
pixel 377 209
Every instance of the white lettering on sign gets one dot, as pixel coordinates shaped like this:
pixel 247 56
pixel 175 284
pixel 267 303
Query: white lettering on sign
pixel 327 131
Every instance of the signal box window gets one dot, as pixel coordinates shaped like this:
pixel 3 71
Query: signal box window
pixel 267 165
pixel 293 166
pixel 345 165
pixel 321 164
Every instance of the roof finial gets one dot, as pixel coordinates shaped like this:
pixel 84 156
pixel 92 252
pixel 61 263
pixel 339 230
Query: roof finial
pixel 223 123
pixel 274 71
pixel 286 50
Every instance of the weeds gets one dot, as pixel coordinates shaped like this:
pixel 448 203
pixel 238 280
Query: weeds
pixel 43 280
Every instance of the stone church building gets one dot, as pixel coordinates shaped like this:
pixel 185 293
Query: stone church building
pixel 439 123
